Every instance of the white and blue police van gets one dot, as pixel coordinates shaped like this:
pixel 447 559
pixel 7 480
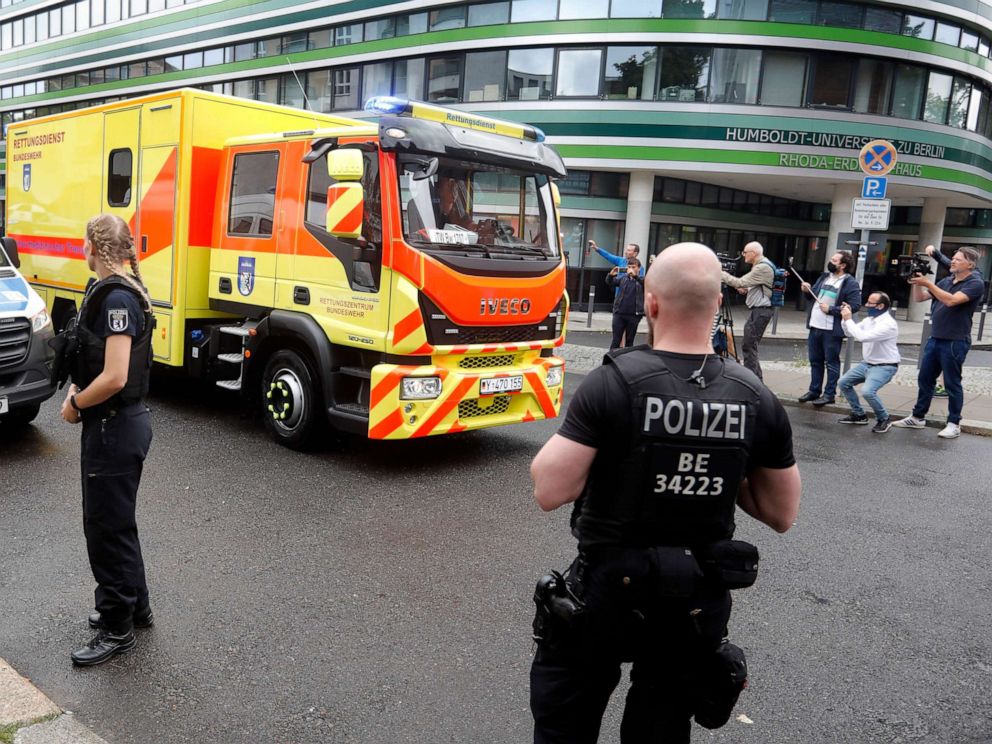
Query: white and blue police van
pixel 25 354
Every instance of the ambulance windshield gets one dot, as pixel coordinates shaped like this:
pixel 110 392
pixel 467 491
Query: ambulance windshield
pixel 477 209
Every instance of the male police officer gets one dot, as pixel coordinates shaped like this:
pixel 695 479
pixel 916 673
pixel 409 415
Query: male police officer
pixel 661 443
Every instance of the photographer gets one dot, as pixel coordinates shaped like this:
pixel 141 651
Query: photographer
pixel 628 302
pixel 757 283
pixel 954 301
pixel 631 251
pixel 659 492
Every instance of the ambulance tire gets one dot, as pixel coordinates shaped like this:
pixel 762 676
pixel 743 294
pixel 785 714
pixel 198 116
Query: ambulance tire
pixel 290 401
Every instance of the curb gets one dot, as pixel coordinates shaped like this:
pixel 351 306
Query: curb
pixel 979 428
pixel 33 718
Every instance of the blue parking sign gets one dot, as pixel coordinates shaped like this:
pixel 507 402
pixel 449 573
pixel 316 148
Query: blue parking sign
pixel 874 187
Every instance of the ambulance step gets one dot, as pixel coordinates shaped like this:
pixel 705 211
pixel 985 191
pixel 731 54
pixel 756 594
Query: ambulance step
pixel 234 385
pixel 232 358
pixel 354 409
pixel 235 330
pixel 356 372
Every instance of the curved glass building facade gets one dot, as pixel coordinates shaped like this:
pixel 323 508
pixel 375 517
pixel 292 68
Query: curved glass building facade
pixel 719 121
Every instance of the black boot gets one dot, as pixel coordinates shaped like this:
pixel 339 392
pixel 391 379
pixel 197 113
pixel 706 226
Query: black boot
pixel 103 646
pixel 143 618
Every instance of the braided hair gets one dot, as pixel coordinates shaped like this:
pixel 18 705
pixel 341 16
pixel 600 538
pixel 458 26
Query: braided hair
pixel 111 241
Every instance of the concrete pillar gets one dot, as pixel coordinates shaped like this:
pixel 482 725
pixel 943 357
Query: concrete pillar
pixel 640 195
pixel 840 218
pixel 931 233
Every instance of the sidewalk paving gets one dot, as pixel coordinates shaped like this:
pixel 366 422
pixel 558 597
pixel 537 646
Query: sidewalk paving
pixel 34 719
pixel 789 380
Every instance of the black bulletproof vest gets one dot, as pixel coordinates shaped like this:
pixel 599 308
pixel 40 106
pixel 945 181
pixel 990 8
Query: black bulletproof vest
pixel 90 355
pixel 677 483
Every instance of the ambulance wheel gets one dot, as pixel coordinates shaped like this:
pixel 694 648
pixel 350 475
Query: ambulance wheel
pixel 290 404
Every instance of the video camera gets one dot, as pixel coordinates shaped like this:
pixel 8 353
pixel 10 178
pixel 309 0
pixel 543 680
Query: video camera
pixel 727 262
pixel 917 264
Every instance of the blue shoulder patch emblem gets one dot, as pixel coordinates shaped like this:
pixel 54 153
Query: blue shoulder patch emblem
pixel 117 319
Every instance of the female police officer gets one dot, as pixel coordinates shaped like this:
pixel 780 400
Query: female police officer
pixel 110 373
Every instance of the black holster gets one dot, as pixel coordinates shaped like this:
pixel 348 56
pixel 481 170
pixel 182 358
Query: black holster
pixel 722 677
pixel 558 607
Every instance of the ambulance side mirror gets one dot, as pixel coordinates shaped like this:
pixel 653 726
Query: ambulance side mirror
pixel 9 246
pixel 345 165
pixel 345 210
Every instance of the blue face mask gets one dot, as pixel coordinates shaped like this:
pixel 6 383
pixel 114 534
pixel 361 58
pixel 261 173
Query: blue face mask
pixel 874 312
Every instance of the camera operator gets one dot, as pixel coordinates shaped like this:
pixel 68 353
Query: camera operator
pixel 757 283
pixel 632 250
pixel 661 443
pixel 834 287
pixel 628 302
pixel 954 301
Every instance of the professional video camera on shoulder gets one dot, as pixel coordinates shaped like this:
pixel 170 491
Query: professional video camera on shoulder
pixel 917 264
pixel 727 262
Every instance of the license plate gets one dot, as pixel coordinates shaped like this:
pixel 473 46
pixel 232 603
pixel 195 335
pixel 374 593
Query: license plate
pixel 493 385
pixel 3 404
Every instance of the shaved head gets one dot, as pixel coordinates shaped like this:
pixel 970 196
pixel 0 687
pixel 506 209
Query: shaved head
pixel 682 292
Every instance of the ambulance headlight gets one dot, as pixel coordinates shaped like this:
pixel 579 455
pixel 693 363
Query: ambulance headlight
pixel 554 376
pixel 39 321
pixel 420 388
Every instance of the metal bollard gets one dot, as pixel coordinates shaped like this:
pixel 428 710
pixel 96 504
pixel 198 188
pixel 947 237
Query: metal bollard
pixel 592 299
pixel 924 335
pixel 774 320
pixel 981 321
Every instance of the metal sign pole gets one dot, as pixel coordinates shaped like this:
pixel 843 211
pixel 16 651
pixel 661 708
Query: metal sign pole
pixel 859 275
pixel 592 300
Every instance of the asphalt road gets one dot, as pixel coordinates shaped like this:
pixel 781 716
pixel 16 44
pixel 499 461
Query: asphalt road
pixel 382 592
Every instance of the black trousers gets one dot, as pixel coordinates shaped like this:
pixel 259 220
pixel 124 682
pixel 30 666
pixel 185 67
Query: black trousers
pixel 114 447
pixel 754 330
pixel 624 329
pixel 576 670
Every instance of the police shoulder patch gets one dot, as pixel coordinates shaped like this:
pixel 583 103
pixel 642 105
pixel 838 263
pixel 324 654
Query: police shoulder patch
pixel 117 319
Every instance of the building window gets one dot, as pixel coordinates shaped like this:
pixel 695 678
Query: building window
pixel 444 79
pixel 734 76
pixel 290 92
pixel 609 185
pixel 635 9
pixel 579 72
pixel 871 88
pixel 253 188
pixel 573 9
pixel 350 34
pixel 918 26
pixel 409 77
pixel 684 73
pixel 947 34
pixel 969 41
pixel 978 110
pixel 484 77
pixel 792 11
pixel 630 72
pixel 489 14
pixel 413 23
pixel 783 79
pixel 528 74
pixel 689 9
pixel 907 92
pixel 298 42
pixel 383 28
pixel 957 115
pixel 843 15
pixel 831 80
pixel 743 10
pixel 880 19
pixel 377 80
pixel 532 10
pixel 447 18
pixel 938 98
pixel 346 88
pixel 319 90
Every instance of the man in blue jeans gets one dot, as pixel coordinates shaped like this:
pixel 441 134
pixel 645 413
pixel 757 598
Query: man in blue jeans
pixel 954 301
pixel 834 287
pixel 878 334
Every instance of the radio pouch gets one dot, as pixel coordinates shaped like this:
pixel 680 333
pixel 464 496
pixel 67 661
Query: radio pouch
pixel 733 563
pixel 722 677
pixel 676 571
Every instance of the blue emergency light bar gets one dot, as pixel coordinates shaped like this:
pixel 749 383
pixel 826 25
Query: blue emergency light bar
pixel 393 106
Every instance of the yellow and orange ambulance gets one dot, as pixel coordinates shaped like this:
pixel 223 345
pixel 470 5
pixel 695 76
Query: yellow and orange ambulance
pixel 399 277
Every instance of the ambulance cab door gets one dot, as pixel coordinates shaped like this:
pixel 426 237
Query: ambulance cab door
pixel 120 164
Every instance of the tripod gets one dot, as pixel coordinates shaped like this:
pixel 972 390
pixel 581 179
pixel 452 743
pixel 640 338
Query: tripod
pixel 722 335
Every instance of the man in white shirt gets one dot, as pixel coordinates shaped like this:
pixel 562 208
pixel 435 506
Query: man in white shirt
pixel 878 334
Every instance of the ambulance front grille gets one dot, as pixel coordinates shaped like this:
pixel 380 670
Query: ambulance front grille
pixel 487 362
pixel 473 408
pixel 15 339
